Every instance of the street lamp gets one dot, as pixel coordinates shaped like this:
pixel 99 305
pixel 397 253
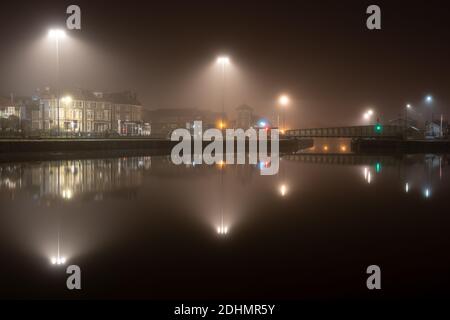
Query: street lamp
pixel 57 35
pixel 223 61
pixel 368 114
pixel 58 260
pixel 429 101
pixel 408 107
pixel 283 101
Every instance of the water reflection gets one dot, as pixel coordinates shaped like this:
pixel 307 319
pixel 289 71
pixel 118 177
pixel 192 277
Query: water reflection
pixel 70 179
pixel 66 208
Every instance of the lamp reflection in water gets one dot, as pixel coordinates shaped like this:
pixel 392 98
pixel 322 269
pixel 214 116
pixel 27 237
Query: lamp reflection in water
pixel 283 190
pixel 427 193
pixel 407 187
pixel 59 259
pixel 367 175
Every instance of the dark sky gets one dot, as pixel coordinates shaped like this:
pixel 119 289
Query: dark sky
pixel 319 52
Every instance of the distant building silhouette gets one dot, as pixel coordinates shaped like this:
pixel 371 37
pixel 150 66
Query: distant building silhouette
pixel 245 118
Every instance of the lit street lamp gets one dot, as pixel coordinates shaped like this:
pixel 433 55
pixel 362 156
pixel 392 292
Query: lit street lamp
pixel 368 115
pixel 57 35
pixel 223 61
pixel 283 101
pixel 408 107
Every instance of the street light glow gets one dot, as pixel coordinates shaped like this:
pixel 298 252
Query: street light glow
pixel 283 190
pixel 58 260
pixel 283 100
pixel 56 34
pixel 222 230
pixel 67 99
pixel 223 60
pixel 429 99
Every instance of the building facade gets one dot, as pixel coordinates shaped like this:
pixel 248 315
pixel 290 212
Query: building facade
pixel 85 112
pixel 164 121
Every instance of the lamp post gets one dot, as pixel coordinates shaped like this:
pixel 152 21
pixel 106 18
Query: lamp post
pixel 368 115
pixel 283 101
pixel 57 35
pixel 408 106
pixel 223 61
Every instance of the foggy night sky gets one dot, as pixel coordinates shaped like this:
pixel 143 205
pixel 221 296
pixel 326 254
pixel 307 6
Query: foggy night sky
pixel 319 52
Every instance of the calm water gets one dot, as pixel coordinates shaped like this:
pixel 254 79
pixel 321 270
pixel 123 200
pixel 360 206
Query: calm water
pixel 141 227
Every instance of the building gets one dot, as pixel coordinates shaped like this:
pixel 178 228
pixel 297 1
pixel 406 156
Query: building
pixel 437 129
pixel 87 112
pixel 164 121
pixel 245 117
pixel 8 108
pixel 9 116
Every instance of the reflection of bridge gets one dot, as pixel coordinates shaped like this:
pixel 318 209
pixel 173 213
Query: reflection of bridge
pixel 349 132
pixel 342 159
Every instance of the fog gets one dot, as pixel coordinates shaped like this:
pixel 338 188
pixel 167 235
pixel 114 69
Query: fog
pixel 320 55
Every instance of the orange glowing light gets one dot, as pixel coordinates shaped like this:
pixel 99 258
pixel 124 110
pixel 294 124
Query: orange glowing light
pixel 343 148
pixel 325 148
pixel 221 164
pixel 221 125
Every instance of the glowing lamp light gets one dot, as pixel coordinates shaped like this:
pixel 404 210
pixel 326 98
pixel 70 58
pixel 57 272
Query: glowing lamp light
pixel 67 194
pixel 284 100
pixel 429 99
pixel 283 190
pixel 262 124
pixel 67 99
pixel 407 187
pixel 343 148
pixel 58 260
pixel 221 125
pixel 325 148
pixel 223 60
pixel 222 230
pixel 56 34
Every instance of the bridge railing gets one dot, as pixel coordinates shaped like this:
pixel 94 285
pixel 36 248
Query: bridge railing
pixel 348 132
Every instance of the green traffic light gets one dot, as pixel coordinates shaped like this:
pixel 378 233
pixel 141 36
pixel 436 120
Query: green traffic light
pixel 378 128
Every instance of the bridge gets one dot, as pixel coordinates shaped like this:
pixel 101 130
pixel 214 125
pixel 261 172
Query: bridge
pixel 372 131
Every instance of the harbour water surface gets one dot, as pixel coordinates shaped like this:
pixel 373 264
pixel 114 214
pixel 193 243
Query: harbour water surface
pixel 141 227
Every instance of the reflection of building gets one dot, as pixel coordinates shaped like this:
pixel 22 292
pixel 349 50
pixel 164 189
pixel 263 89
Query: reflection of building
pixel 164 121
pixel 67 179
pixel 83 111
